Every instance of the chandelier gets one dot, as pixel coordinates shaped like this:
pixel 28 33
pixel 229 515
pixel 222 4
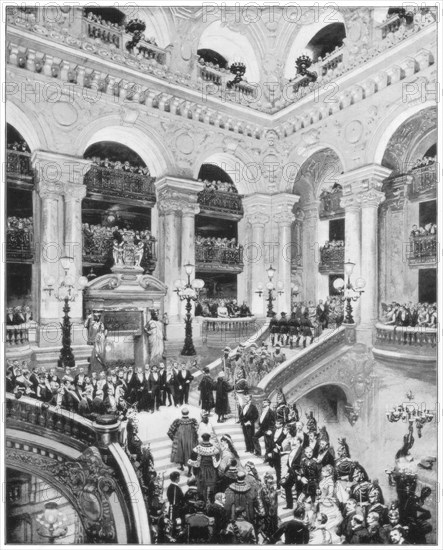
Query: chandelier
pixel 409 412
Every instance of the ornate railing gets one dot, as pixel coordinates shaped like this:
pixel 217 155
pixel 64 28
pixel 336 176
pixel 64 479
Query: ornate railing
pixel 420 339
pixel 147 50
pixel 330 205
pixel 220 201
pixel 18 165
pixel 214 258
pixel 28 414
pixel 17 335
pixel 118 183
pixel 293 367
pixel 424 179
pixel 422 249
pixel 98 248
pixel 331 62
pixel 391 25
pixel 332 259
pixel 19 243
pixel 107 34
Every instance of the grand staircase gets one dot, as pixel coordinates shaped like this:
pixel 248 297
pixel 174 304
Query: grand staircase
pixel 161 444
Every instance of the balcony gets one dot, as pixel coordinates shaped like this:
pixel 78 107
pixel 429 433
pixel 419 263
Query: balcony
pixel 330 205
pixel 213 259
pixel 405 345
pixel 332 259
pixel 19 170
pixel 105 183
pixel 422 251
pixel 221 204
pixel 219 332
pixel 19 242
pixel 424 182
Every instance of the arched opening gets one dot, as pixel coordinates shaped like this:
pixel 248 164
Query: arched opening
pixel 120 195
pixel 218 253
pixel 20 226
pixel 211 56
pixel 28 497
pixel 327 403
pixel 106 14
pixel 326 41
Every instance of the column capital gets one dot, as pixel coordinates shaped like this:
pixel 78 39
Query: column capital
pixel 371 198
pixel 74 192
pixel 54 170
pixel 178 195
pixel 257 208
pixel 350 203
pixel 283 208
pixel 363 178
pixel 311 210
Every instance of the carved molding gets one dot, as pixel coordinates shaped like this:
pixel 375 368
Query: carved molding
pixel 372 198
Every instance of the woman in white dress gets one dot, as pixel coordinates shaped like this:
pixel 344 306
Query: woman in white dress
pixel 154 329
pixel 222 311
pixel 327 501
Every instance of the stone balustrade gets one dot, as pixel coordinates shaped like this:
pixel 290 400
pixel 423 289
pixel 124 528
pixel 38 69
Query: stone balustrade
pixel 299 364
pixel 332 259
pixel 218 332
pixel 108 34
pixel 17 335
pixel 421 340
pixel 33 415
pixel 220 202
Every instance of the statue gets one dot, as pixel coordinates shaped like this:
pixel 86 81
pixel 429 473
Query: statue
pixel 139 251
pixel 117 252
pixel 154 330
pixel 98 351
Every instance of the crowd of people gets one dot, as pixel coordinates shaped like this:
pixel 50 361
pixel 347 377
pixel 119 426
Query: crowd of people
pixel 333 244
pixel 223 186
pixel 221 308
pixel 18 315
pixel 332 497
pixel 119 165
pixel 20 146
pixel 423 230
pixel 410 314
pixel 111 391
pixel 96 18
pixel 424 161
pixel 214 243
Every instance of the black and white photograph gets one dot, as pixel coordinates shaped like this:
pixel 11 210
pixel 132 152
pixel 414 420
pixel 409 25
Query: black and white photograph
pixel 221 273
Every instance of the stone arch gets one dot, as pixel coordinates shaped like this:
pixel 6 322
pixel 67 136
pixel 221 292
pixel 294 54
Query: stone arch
pixel 304 35
pixel 27 124
pixel 321 168
pixel 231 45
pixel 158 21
pixel 244 172
pixel 389 125
pixel 141 139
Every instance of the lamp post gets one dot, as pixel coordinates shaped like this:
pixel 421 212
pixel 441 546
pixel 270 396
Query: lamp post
pixel 188 291
pixel 270 287
pixel 52 523
pixel 66 292
pixel 351 292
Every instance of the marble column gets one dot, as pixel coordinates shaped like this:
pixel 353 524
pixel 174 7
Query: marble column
pixel 257 208
pixel 73 195
pixel 59 185
pixel 177 203
pixel 311 252
pixel 370 201
pixel 283 215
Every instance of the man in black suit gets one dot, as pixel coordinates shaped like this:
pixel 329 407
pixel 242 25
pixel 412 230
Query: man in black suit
pixel 296 531
pixel 175 495
pixel 266 428
pixel 136 385
pixel 248 415
pixel 294 460
pixel 154 383
pixel 162 375
pixel 184 379
pixel 277 441
pixel 169 386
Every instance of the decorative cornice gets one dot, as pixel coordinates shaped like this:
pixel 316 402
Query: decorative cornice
pixel 372 198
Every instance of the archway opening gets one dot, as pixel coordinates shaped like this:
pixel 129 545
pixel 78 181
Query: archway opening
pixel 211 56
pixel 326 40
pixel 28 497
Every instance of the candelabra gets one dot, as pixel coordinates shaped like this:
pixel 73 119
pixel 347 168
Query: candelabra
pixel 409 412
pixel 52 523
pixel 271 288
pixel 66 292
pixel 302 64
pixel 238 69
pixel 351 292
pixel 188 291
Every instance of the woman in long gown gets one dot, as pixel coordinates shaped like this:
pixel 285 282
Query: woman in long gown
pixel 227 453
pixel 222 389
pixel 269 497
pixel 327 501
pixel 98 351
pixel 204 459
pixel 183 433
pixel 154 329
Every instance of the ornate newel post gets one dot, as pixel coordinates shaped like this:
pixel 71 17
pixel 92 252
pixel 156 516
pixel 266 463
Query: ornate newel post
pixel 257 209
pixel 107 428
pixel 283 215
